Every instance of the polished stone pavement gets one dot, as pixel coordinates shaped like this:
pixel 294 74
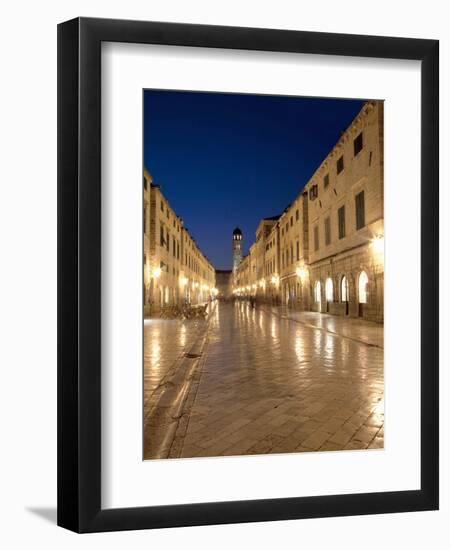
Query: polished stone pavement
pixel 352 328
pixel 273 384
pixel 165 342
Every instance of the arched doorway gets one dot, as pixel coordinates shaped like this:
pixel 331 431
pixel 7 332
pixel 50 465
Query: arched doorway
pixel 363 291
pixel 345 293
pixel 328 292
pixel 317 294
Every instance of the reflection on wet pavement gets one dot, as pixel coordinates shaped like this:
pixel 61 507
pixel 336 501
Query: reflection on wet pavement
pixel 165 341
pixel 271 385
pixel 353 328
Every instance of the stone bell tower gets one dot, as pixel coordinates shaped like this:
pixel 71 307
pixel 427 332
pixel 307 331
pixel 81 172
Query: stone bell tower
pixel 237 248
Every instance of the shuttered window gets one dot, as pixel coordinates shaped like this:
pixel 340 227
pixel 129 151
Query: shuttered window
pixel 358 144
pixel 341 222
pixel 316 238
pixel 360 212
pixel 327 231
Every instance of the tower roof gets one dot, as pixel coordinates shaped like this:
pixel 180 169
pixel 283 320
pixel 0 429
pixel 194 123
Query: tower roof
pixel 237 231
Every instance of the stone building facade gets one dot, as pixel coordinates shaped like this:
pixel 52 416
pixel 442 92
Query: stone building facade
pixel 272 264
pixel 325 251
pixel 224 284
pixel 346 237
pixel 176 272
pixel 242 285
pixel 294 253
pixel 257 257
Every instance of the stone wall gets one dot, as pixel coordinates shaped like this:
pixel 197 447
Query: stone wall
pixel 351 265
pixel 175 269
pixel 224 284
pixel 307 246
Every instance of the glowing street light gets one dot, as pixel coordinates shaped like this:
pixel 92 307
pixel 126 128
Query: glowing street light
pixel 157 272
pixel 275 280
pixel 378 244
pixel 301 272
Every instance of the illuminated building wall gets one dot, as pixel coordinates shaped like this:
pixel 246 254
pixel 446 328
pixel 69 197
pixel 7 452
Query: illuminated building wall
pixel 346 225
pixel 176 272
pixel 325 252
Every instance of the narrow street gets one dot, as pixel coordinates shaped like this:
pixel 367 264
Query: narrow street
pixel 266 383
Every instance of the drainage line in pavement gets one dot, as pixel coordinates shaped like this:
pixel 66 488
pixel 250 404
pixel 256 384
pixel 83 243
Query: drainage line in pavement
pixel 161 424
pixel 309 325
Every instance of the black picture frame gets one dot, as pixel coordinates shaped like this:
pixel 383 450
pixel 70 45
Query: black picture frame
pixel 79 274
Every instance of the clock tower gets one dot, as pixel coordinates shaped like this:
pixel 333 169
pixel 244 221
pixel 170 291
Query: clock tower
pixel 237 248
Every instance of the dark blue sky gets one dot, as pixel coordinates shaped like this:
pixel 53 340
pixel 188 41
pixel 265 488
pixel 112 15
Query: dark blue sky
pixel 227 160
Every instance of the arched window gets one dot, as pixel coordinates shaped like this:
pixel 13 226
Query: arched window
pixel 317 291
pixel 363 290
pixel 344 289
pixel 329 289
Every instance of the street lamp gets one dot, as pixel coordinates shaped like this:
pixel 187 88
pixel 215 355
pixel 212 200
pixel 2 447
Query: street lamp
pixel 301 272
pixel 378 244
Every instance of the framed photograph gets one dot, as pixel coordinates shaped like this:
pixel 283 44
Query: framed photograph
pixel 247 275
